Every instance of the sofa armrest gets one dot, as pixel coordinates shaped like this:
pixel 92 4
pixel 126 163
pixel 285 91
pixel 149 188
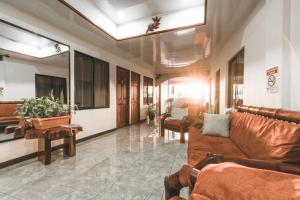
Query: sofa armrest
pixel 162 123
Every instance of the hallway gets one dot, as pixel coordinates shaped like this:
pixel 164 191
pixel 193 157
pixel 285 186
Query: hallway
pixel 129 163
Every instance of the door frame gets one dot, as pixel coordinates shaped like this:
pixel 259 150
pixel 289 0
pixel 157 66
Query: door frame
pixel 128 95
pixel 139 96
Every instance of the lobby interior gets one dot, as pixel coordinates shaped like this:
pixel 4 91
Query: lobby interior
pixel 149 99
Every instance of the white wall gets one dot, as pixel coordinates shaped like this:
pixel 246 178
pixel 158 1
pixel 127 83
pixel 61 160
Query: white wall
pixel 18 77
pixel 93 121
pixel 271 38
pixel 294 47
pixel 164 96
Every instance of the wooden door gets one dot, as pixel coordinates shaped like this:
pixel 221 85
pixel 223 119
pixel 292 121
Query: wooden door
pixel 122 97
pixel 135 97
pixel 217 92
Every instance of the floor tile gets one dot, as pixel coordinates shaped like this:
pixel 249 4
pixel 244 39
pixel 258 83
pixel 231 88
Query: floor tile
pixel 129 163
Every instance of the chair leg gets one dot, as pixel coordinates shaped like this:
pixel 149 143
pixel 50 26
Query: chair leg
pixel 162 129
pixel 162 132
pixel 182 139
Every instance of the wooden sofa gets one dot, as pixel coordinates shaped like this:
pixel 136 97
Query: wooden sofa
pixel 256 133
pixel 8 113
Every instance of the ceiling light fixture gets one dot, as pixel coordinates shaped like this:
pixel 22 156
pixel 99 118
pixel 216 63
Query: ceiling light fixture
pixel 3 55
pixel 121 15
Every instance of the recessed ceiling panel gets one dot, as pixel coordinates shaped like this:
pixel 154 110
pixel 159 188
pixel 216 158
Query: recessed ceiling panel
pixel 123 19
pixel 24 42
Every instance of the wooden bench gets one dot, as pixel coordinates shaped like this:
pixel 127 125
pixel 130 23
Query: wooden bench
pixel 45 136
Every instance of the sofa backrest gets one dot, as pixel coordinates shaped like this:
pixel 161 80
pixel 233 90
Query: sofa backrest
pixel 264 138
pixel 8 109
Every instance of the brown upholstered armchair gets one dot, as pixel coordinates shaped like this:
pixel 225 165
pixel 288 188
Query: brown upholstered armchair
pixel 180 119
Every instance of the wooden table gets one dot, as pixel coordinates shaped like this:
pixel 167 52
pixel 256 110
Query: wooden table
pixel 45 136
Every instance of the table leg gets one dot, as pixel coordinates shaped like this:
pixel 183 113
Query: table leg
pixel 70 145
pixel 44 150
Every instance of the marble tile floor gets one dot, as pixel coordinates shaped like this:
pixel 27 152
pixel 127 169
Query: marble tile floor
pixel 127 164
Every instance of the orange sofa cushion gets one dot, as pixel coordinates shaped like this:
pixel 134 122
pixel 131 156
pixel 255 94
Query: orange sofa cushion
pixel 173 122
pixel 232 181
pixel 199 145
pixel 8 109
pixel 266 139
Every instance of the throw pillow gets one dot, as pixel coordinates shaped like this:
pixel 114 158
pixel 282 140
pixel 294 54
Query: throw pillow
pixel 178 113
pixel 215 124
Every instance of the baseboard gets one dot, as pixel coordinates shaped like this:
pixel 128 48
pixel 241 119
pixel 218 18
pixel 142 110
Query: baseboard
pixel 35 154
pixel 95 135
pixel 143 120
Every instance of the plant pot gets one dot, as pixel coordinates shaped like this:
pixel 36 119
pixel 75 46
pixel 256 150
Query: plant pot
pixel 151 115
pixel 51 122
pixel 22 121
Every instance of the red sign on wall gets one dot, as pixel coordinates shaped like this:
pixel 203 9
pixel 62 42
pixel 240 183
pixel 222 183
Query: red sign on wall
pixel 272 80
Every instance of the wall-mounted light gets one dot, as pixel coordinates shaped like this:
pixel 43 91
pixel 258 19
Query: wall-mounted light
pixel 120 14
pixel 57 48
pixel 3 55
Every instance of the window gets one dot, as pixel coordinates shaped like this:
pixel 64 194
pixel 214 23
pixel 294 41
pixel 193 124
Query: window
pixel 236 80
pixel 44 84
pixel 91 82
pixel 148 90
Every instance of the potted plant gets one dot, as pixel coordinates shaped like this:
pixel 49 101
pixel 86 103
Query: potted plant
pixel 45 112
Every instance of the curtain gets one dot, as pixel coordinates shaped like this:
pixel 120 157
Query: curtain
pixel 83 80
pixel 101 84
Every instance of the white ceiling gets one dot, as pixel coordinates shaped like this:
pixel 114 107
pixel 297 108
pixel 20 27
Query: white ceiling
pixel 122 11
pixel 190 49
pixel 132 19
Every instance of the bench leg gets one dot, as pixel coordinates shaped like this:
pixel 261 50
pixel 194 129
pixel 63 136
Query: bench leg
pixel 70 146
pixel 44 150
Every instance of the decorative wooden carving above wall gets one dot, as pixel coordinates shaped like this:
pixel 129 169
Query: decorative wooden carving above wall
pixel 155 25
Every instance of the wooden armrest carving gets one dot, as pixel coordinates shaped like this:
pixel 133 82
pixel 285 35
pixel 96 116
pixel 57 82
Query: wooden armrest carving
pixel 185 177
pixel 165 116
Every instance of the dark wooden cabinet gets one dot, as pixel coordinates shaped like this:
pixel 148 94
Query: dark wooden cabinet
pixel 135 97
pixel 122 97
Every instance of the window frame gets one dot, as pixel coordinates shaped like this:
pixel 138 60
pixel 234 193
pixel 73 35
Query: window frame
pixel 93 82
pixel 230 82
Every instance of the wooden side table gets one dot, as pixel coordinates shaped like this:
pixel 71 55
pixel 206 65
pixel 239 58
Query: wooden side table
pixel 45 136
